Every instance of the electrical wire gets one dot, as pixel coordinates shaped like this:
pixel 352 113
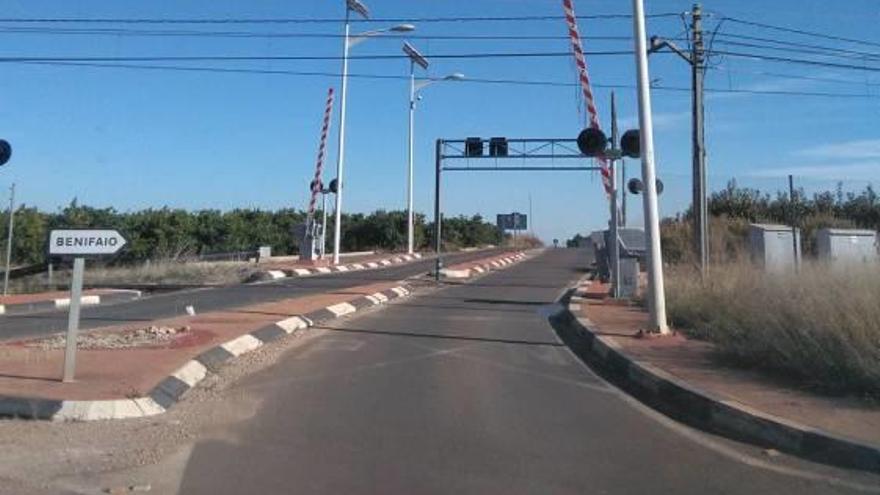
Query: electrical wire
pixel 517 82
pixel 256 34
pixel 304 20
pixel 800 31
pixel 799 44
pixel 819 63
pixel 243 58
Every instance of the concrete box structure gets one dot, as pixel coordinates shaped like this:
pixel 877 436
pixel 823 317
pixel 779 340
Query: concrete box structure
pixel 771 247
pixel 846 246
pixel 629 277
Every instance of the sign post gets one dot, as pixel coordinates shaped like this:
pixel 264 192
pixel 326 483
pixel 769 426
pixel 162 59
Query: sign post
pixel 79 244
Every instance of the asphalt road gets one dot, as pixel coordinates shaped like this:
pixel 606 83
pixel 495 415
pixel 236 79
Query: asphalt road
pixel 203 300
pixel 467 390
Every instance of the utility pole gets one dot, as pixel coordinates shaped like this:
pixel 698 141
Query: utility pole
pixel 656 292
pixel 9 239
pixel 614 245
pixel 697 60
pixel 700 205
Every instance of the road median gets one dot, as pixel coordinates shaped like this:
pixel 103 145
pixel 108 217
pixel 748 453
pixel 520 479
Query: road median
pixel 144 368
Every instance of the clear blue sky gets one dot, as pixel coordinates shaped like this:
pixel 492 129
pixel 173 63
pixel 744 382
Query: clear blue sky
pixel 142 138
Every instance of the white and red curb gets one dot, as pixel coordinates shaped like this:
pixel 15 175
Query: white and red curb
pixel 172 388
pixel 493 264
pixel 269 275
pixel 106 296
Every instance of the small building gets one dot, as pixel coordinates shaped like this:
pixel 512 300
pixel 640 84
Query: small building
pixel 846 246
pixel 772 248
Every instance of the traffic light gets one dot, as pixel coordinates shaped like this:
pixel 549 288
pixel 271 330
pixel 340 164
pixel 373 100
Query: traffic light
pixel 636 186
pixel 592 142
pixel 631 143
pixel 473 146
pixel 498 146
pixel 334 186
pixel 5 151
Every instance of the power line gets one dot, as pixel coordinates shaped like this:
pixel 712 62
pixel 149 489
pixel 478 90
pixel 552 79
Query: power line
pixel 518 82
pixel 819 63
pixel 804 51
pixel 800 31
pixel 257 34
pixel 304 20
pixel 799 44
pixel 796 76
pixel 247 58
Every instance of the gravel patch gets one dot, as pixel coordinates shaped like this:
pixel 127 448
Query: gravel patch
pixel 139 337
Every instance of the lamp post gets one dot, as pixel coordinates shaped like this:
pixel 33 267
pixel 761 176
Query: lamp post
pixel 348 42
pixel 656 293
pixel 416 58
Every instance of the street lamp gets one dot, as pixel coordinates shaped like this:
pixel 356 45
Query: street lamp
pixel 349 41
pixel 416 58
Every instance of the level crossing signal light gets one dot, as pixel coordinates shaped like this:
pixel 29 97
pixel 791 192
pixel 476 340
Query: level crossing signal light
pixel 334 186
pixel 473 146
pixel 498 146
pixel 636 186
pixel 592 142
pixel 631 144
pixel 5 151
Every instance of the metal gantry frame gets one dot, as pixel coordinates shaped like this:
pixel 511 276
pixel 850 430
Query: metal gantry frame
pixel 523 149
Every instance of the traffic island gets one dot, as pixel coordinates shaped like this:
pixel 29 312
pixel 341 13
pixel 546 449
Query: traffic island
pixel 684 379
pixel 144 369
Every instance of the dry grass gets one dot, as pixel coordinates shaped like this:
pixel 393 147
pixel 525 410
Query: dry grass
pixel 174 272
pixel 821 326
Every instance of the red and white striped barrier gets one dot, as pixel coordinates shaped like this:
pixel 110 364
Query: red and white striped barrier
pixel 319 167
pixel 584 77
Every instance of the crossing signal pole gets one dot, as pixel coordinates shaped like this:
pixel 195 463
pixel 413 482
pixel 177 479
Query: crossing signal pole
pixel 697 60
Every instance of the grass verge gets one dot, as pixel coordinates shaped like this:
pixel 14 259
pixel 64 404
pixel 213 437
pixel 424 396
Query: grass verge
pixel 820 326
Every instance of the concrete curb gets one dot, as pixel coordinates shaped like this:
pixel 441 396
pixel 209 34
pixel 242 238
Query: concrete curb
pixel 699 408
pixel 116 295
pixel 171 389
pixel 494 264
pixel 269 275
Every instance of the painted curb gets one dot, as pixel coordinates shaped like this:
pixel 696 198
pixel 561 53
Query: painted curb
pixel 173 387
pixel 702 409
pixel 117 295
pixel 495 263
pixel 269 275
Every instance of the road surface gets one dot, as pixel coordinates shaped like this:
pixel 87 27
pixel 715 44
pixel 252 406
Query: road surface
pixel 467 390
pixel 203 300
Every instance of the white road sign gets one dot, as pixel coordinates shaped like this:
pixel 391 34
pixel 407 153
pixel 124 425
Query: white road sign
pixel 85 242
